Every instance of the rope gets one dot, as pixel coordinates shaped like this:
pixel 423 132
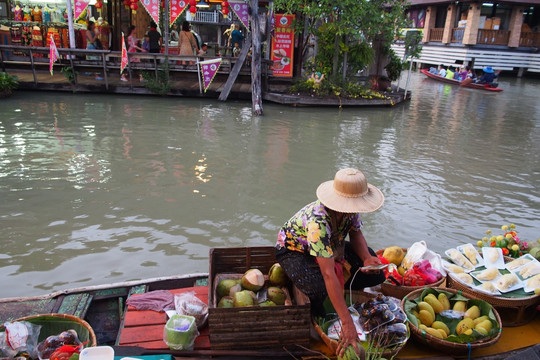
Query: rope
pixel 470 348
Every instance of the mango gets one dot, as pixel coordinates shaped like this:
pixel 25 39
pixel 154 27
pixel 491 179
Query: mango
pixel 481 330
pixel 435 304
pixel 441 326
pixel 426 317
pixel 443 299
pixel 394 255
pixel 480 319
pixel 422 326
pixel 464 325
pixel 468 332
pixel 473 312
pixel 486 324
pixel 434 332
pixel 425 306
pixel 442 332
pixel 460 306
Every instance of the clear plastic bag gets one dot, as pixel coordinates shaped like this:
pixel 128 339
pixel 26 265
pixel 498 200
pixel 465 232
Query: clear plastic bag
pixel 189 304
pixel 180 332
pixel 19 337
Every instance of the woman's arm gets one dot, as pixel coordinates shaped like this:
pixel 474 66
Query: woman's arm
pixel 359 245
pixel 349 335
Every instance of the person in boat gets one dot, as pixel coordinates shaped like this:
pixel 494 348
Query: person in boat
pixel 433 70
pixel 488 77
pixel 462 74
pixel 312 250
pixel 449 73
pixel 442 70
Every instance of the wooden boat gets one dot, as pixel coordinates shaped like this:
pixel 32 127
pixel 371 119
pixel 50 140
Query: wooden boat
pixel 470 85
pixel 136 333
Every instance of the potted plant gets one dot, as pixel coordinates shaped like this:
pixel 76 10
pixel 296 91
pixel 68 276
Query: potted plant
pixel 8 83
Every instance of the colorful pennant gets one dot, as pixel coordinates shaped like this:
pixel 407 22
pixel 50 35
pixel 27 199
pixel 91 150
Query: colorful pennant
pixel 209 69
pixel 177 8
pixel 124 61
pixel 241 9
pixel 152 6
pixel 80 6
pixel 53 54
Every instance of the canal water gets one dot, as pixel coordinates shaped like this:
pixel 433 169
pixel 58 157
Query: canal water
pixel 98 188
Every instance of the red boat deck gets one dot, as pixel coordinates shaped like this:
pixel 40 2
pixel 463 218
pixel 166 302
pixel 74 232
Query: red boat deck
pixel 145 328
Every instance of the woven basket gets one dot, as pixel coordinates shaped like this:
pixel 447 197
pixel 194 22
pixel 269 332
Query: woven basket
pixel 54 324
pixel 389 289
pixel 358 296
pixel 444 346
pixel 513 311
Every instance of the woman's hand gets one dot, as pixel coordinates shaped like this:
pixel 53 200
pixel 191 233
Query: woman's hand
pixel 349 336
pixel 372 260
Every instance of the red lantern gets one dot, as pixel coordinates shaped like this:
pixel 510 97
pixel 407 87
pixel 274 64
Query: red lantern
pixel 192 3
pixel 225 12
pixel 127 3
pixel 134 7
pixel 99 5
pixel 193 9
pixel 225 4
pixel 162 4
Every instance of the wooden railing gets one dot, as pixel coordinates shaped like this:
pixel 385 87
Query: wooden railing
pixel 493 37
pixel 436 34
pixel 530 39
pixel 457 35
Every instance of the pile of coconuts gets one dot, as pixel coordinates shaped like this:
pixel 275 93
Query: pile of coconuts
pixel 250 290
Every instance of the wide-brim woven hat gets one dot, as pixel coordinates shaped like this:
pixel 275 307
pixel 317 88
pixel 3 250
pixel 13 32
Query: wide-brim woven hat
pixel 488 69
pixel 350 192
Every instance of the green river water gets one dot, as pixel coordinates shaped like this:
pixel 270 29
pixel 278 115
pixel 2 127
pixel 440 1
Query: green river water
pixel 98 188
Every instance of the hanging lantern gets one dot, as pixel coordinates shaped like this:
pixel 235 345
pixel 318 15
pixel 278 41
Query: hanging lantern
pixel 134 7
pixel 225 4
pixel 193 10
pixel 127 3
pixel 225 12
pixel 99 5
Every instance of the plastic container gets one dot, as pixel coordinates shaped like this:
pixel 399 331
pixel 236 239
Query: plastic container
pixel 180 332
pixel 97 353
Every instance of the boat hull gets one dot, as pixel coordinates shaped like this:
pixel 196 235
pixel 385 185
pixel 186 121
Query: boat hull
pixel 484 87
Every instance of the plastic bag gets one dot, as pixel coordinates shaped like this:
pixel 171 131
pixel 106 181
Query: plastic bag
pixel 414 254
pixel 180 332
pixel 334 330
pixel 19 337
pixel 189 304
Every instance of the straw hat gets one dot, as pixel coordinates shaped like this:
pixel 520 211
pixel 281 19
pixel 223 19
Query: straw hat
pixel 350 192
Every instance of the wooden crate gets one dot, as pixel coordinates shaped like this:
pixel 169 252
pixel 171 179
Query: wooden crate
pixel 254 327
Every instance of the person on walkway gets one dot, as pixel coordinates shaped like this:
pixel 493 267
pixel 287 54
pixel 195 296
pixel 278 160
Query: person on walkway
pixel 92 43
pixel 204 50
pixel 155 38
pixel 133 47
pixel 186 42
pixel 312 250
pixel 174 32
pixel 237 36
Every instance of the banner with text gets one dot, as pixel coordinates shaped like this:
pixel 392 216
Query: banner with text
pixel 79 7
pixel 152 6
pixel 177 8
pixel 241 9
pixel 283 46
pixel 209 69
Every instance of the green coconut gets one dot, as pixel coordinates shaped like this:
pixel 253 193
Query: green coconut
pixel 277 275
pixel 276 295
pixel 253 280
pixel 233 290
pixel 243 298
pixel 224 287
pixel 226 302
pixel 267 303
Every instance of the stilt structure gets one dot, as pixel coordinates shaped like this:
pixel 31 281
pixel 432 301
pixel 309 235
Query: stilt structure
pixel 256 96
pixel 235 71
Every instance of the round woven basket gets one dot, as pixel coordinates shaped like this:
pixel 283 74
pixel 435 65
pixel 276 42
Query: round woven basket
pixel 444 346
pixel 54 324
pixel 513 311
pixel 358 296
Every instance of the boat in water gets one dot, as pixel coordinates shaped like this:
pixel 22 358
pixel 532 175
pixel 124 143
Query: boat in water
pixel 469 85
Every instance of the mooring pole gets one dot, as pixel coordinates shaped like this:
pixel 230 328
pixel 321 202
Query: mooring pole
pixel 256 93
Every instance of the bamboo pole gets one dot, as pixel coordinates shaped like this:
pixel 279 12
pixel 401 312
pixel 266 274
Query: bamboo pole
pixel 256 96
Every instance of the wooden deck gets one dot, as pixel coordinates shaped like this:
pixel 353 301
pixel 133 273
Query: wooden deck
pixel 145 328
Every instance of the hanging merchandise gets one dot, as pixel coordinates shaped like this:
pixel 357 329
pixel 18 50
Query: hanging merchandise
pixel 80 6
pixel 152 7
pixel 225 9
pixel 133 6
pixel 177 8
pixel 241 9
pixel 192 6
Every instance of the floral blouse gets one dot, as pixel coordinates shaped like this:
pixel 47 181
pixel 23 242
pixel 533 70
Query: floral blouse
pixel 310 230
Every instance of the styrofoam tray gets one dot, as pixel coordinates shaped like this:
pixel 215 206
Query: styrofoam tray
pixel 528 289
pixel 445 266
pixel 477 288
pixel 455 277
pixel 487 251
pixel 518 285
pixel 526 256
pixel 479 259
pixel 447 253
pixel 518 270
pixel 474 273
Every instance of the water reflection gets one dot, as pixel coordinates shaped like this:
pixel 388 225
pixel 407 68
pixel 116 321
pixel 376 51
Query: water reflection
pixel 101 188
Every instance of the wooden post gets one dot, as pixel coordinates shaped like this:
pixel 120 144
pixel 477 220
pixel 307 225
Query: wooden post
pixel 33 68
pixel 2 60
pixel 104 71
pixel 256 97
pixel 166 27
pixel 71 57
pixel 235 71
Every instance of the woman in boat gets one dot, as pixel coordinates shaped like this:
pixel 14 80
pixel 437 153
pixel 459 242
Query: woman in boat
pixel 488 77
pixel 312 250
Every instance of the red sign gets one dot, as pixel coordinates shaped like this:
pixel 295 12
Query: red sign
pixel 124 61
pixel 152 6
pixel 177 8
pixel 80 5
pixel 283 46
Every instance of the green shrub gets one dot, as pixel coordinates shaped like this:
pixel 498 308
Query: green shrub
pixel 8 83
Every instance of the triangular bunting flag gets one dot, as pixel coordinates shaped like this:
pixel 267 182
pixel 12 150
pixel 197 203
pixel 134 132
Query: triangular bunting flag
pixel 177 8
pixel 152 6
pixel 241 9
pixel 53 54
pixel 209 69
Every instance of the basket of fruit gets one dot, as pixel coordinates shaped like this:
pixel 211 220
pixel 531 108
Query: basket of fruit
pixel 451 322
pixel 378 317
pixel 401 281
